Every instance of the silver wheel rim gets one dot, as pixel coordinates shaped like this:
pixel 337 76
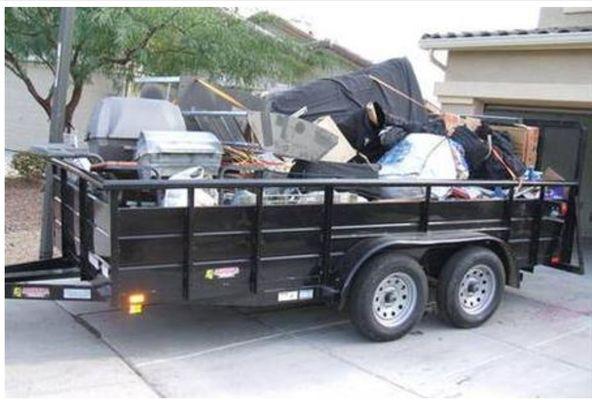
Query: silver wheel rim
pixel 477 289
pixel 394 299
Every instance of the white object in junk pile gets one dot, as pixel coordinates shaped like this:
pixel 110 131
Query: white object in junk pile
pixel 71 141
pixel 202 197
pixel 422 156
pixel 82 163
pixel 318 197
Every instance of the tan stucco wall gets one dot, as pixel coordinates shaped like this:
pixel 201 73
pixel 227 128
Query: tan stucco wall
pixel 551 78
pixel 26 123
pixel 565 16
pixel 535 66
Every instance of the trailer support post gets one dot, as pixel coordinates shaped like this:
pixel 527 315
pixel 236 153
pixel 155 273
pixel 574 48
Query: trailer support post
pixel 425 210
pixel 326 238
pixel 508 211
pixel 188 241
pixel 254 279
pixel 114 242
pixel 536 228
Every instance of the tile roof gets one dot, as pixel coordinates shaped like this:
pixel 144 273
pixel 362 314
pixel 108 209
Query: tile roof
pixel 512 32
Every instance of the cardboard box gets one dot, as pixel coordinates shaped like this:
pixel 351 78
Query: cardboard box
pixel 525 140
pixel 343 151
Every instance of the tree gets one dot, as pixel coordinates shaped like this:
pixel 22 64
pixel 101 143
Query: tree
pixel 122 42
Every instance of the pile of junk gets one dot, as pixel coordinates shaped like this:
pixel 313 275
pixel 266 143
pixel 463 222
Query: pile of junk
pixel 370 124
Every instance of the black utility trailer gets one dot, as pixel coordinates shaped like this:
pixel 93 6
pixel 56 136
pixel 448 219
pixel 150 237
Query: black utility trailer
pixel 378 259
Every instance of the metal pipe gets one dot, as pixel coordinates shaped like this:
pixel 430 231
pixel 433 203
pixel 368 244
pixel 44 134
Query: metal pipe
pixel 56 126
pixel 60 84
pixel 437 62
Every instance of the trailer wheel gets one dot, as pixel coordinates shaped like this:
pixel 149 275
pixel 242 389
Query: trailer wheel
pixel 388 297
pixel 470 287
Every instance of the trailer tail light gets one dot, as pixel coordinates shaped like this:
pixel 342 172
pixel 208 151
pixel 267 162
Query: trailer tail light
pixel 136 303
pixel 563 209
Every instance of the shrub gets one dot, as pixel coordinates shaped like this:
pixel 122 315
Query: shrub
pixel 28 165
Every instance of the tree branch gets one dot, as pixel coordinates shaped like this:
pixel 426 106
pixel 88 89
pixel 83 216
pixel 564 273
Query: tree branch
pixel 45 62
pixel 47 27
pixel 13 65
pixel 129 53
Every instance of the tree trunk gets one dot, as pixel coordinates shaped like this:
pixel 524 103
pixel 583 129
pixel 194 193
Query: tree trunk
pixel 72 104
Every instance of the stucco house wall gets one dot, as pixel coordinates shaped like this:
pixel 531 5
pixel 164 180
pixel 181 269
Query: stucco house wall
pixel 551 78
pixel 564 16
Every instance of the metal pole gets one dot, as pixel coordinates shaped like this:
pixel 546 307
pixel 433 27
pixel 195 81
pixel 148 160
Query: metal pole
pixel 56 126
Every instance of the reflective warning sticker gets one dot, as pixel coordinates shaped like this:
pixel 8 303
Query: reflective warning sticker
pixel 79 294
pixel 288 296
pixel 222 273
pixel 35 292
pixel 98 263
pixel 227 272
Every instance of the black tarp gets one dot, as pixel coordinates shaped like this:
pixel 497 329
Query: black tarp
pixel 324 170
pixel 339 96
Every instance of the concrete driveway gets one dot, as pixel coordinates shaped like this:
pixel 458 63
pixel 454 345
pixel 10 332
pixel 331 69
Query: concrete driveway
pixel 539 343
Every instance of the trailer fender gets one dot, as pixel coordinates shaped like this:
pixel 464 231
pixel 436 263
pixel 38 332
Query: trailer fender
pixel 354 259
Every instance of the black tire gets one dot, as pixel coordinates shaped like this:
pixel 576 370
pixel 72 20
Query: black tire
pixel 374 273
pixel 455 275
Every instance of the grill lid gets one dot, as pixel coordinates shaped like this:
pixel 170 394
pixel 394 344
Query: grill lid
pixel 126 117
pixel 175 142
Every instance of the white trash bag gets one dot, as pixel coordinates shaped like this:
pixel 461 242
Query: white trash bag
pixel 202 197
pixel 422 156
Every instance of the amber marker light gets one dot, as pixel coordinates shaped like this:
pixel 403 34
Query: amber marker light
pixel 135 303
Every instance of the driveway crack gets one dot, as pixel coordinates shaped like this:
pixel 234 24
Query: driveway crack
pixel 96 333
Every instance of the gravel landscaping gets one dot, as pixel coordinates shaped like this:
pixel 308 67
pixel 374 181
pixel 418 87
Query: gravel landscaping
pixel 23 201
